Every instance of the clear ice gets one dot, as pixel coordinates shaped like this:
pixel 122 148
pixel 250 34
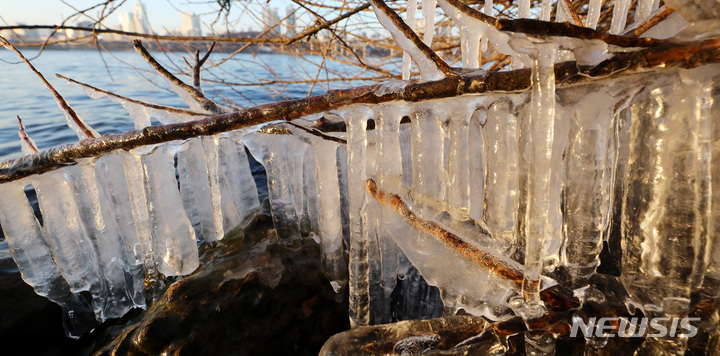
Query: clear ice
pixel 538 180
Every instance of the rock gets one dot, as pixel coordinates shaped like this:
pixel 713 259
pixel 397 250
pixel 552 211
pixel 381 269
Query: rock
pixel 253 295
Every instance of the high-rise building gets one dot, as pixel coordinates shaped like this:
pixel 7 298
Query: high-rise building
pixel 271 19
pixel 126 22
pixel 290 13
pixel 139 19
pixel 190 25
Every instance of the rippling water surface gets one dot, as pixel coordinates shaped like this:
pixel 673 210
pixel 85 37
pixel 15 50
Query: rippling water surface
pixel 22 93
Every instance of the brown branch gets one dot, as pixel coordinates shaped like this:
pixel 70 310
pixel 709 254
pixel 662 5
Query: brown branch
pixel 134 101
pixel 659 17
pixel 564 29
pixel 149 36
pixel 685 55
pixel 413 37
pixel 81 39
pixel 196 94
pixel 317 133
pixel 24 136
pixel 556 297
pixel 454 242
pixel 89 132
pixel 315 29
pixel 467 10
pixel 576 19
pixel 198 64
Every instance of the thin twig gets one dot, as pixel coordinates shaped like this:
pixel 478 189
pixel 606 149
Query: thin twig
pixel 454 242
pixel 576 19
pixel 198 64
pixel 25 138
pixel 315 29
pixel 645 26
pixel 134 101
pixel 89 132
pixel 317 133
pixel 196 94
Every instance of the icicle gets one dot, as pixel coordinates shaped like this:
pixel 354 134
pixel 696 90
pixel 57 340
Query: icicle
pixel 26 143
pixel 643 11
pixel 388 169
pixel 546 10
pixel 428 152
pixel 116 204
pixel 312 203
pixel 174 241
pixel 561 12
pixel 239 193
pixel 470 45
pixel 134 178
pixel 187 195
pixel 524 9
pixel 541 215
pixel 359 283
pixel 141 114
pixel 71 246
pixel 428 10
pixel 619 17
pixel 329 219
pixel 30 250
pixel 273 151
pixel 99 223
pixel 428 69
pixel 713 270
pixel 668 202
pixel 200 178
pixel 593 16
pixel 300 157
pixel 458 171
pixel 498 39
pixel 411 13
pixel 487 10
pixel 589 176
pixel 501 190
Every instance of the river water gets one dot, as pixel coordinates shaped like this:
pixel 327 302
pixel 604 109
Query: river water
pixel 22 93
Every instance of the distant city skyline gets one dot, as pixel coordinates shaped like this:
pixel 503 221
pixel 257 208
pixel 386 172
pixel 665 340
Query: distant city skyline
pixel 162 15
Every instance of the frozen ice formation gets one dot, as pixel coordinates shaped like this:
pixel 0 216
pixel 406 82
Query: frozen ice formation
pixel 491 197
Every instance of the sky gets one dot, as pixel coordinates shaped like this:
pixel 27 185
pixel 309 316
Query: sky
pixel 161 13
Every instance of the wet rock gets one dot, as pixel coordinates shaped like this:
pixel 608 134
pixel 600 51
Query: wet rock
pixel 453 335
pixel 253 295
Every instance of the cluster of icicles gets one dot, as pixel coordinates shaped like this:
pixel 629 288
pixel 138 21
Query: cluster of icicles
pixel 534 179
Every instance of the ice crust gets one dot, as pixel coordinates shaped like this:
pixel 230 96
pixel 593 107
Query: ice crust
pixel 562 163
pixel 537 180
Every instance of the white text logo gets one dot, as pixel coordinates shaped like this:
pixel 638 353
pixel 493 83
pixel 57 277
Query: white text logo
pixel 634 327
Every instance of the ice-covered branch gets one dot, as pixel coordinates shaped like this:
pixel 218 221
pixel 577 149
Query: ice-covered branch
pixel 146 104
pixel 432 67
pixel 28 145
pixel 659 17
pixel 456 243
pixel 685 55
pixel 193 96
pixel 564 29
